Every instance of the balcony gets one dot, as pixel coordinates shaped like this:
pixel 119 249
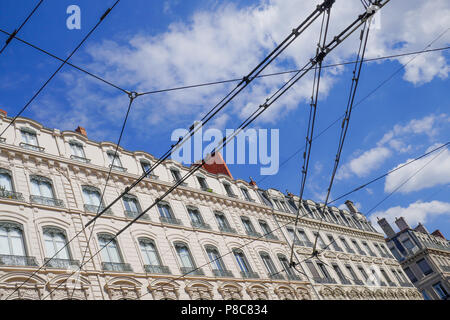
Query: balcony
pixel 337 248
pixel 383 284
pixel 308 244
pixel 324 280
pixel 200 225
pixel 445 268
pixel 134 214
pixel 81 159
pixel 350 250
pixel 116 267
pixel 361 252
pixel 5 194
pixel 53 202
pixel 31 147
pixel 270 236
pixel 406 284
pixel 345 281
pixel 276 276
pixel 183 184
pixel 391 284
pixel 170 220
pixel 227 229
pixel 436 246
pixel 192 271
pixel 358 282
pixel 96 209
pixel 293 277
pixel 118 168
pixel 249 275
pixel 157 269
pixel 61 263
pixel 372 254
pixel 10 260
pixel 253 233
pixel 222 273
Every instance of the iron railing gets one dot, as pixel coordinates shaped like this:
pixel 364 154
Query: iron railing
pixel 170 220
pixel 249 275
pixel 227 229
pixel 12 260
pixel 276 276
pixel 134 214
pixel 324 280
pixel 61 263
pixel 253 233
pixel 222 273
pixel 118 168
pixel 200 225
pixel 192 271
pixel 11 195
pixel 53 202
pixel 117 267
pixel 157 269
pixel 81 159
pixel 95 209
pixel 31 147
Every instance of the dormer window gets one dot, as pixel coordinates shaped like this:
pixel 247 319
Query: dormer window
pixel 175 174
pixel 246 194
pixel 114 161
pixel 203 185
pixel 77 151
pixel 146 165
pixel 29 140
pixel 229 191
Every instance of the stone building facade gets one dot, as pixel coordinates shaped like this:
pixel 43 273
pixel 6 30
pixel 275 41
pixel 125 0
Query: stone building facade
pixel 424 256
pixel 210 228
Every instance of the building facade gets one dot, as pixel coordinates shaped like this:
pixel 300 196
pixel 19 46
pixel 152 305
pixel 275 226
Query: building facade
pixel 214 237
pixel 424 256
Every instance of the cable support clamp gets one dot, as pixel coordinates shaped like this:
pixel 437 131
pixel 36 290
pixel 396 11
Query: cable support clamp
pixel 133 95
pixel 11 36
pixel 105 14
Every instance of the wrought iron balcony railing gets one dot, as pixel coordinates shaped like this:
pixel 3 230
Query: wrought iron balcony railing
pixel 253 233
pixel 324 280
pixel 95 209
pixel 200 225
pixel 337 248
pixel 349 250
pixel 270 236
pixel 222 273
pixel 227 229
pixel 361 252
pixel 392 284
pixel 53 202
pixel 445 268
pixel 358 282
pixel 293 277
pixel 183 184
pixel 157 269
pixel 170 220
pixel 81 159
pixel 117 267
pixel 5 194
pixel 192 271
pixel 134 214
pixel 118 168
pixel 31 147
pixel 61 263
pixel 383 284
pixel 11 260
pixel 436 246
pixel 345 281
pixel 249 275
pixel 276 276
pixel 406 284
pixel 372 253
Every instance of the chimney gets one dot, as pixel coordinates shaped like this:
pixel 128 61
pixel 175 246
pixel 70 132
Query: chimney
pixel 351 207
pixel 386 227
pixel 3 113
pixel 421 228
pixel 438 233
pixel 215 165
pixel 81 130
pixel 252 182
pixel 401 223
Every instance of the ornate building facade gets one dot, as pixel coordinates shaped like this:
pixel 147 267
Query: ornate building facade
pixel 214 237
pixel 424 257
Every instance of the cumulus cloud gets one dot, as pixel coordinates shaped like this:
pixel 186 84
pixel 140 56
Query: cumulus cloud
pixel 432 170
pixel 395 141
pixel 416 212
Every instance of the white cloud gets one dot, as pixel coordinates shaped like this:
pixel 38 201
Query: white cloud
pixel 416 212
pixel 435 172
pixel 228 41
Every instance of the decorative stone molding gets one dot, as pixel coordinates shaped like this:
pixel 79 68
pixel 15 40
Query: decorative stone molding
pixel 285 293
pixel 200 291
pixel 164 290
pixel 258 292
pixel 353 294
pixel 123 289
pixel 326 292
pixel 230 291
pixel 303 293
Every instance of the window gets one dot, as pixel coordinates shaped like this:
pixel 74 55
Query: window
pixel 319 240
pixel 358 247
pixel 222 221
pixel 175 174
pixel 351 272
pixel 92 199
pixel 410 274
pixel 114 159
pixel 313 269
pixel 287 268
pixel 29 139
pixel 149 252
pixel 241 260
pixel 302 235
pixel 333 243
pixel 11 239
pixel 110 250
pixel 131 204
pixel 284 206
pixel 425 295
pixel 77 149
pixel 56 243
pixel 41 186
pixel 246 194
pixel 440 290
pixel 196 218
pixel 397 276
pixel 408 244
pixel 346 245
pixel 203 184
pixel 379 249
pixel 396 254
pixel 324 270
pixel 146 166
pixel 268 263
pixel 385 276
pixel 265 228
pixel 340 274
pixel 366 246
pixel 229 191
pixel 424 266
pixel 248 226
pixel 5 180
pixel 278 205
pixel 292 235
pixel 363 272
pixel 185 256
pixel 215 258
pixel 165 211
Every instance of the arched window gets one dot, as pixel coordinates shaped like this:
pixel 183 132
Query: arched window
pixel 149 252
pixel 109 248
pixel 93 200
pixel 11 239
pixel 217 263
pixel 5 180
pixel 41 186
pixel 56 243
pixel 290 273
pixel 186 260
pixel 29 139
pixel 166 214
pixel 244 266
pixel 132 206
pixel 270 266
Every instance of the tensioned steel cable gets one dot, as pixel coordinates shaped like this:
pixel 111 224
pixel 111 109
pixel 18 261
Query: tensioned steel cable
pixel 60 67
pixel 16 31
pixel 282 90
pixel 218 81
pixel 345 124
pixel 23 109
pixel 312 119
pixel 416 54
pixel 132 96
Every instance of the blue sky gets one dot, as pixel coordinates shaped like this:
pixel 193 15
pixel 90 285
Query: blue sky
pixel 148 45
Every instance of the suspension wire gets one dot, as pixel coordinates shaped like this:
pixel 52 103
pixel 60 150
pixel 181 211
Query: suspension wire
pixel 60 67
pixel 219 81
pixel 79 45
pixel 16 31
pixel 131 97
pixel 312 119
pixel 326 50
pixel 345 124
